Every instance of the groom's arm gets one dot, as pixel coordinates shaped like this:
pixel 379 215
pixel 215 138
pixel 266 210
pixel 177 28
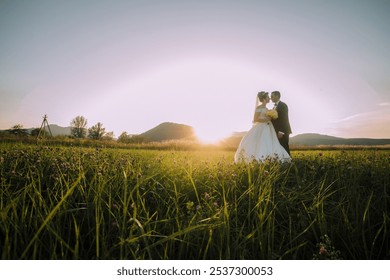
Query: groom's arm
pixel 283 120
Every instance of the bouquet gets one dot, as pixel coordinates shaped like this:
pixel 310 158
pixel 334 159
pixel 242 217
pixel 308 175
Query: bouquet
pixel 273 114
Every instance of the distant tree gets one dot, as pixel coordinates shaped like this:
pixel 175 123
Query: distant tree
pixel 78 127
pixel 35 132
pixel 108 136
pixel 128 138
pixel 18 130
pixel 97 131
pixel 124 137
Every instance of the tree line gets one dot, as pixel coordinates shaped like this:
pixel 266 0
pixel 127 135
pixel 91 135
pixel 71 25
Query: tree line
pixel 79 130
pixel 98 132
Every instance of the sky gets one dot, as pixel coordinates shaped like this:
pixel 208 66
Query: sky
pixel 132 65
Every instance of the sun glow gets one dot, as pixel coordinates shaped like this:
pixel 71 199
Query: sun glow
pixel 210 135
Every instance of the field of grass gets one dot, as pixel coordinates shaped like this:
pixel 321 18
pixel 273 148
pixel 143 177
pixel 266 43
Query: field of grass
pixel 68 202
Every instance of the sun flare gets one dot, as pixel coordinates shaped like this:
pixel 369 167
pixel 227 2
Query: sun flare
pixel 210 135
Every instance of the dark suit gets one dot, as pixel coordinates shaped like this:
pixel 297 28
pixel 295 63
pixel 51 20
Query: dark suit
pixel 282 124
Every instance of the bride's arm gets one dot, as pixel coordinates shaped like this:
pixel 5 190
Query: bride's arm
pixel 256 117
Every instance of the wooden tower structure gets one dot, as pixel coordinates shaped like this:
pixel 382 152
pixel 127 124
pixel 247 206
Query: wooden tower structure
pixel 45 128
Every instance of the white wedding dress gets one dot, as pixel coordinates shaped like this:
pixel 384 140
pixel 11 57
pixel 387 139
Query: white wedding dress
pixel 261 142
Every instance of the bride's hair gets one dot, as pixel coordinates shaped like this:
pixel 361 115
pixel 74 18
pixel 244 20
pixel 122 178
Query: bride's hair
pixel 262 95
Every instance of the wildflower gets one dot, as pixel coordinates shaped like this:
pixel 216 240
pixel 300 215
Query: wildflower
pixel 326 250
pixel 323 250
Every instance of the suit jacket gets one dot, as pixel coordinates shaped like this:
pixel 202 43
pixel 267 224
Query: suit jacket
pixel 282 123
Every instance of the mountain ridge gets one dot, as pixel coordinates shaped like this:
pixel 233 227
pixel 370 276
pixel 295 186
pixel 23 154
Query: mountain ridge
pixel 169 131
pixel 315 139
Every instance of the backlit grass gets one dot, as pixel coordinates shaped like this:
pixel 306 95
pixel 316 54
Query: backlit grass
pixel 105 203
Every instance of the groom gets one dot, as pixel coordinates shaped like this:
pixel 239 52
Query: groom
pixel 281 124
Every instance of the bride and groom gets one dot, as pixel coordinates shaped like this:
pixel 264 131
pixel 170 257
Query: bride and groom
pixel 269 136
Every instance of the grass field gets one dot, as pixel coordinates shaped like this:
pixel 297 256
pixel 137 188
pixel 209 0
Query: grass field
pixel 62 202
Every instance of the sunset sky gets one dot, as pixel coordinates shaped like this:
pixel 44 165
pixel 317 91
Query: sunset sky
pixel 132 65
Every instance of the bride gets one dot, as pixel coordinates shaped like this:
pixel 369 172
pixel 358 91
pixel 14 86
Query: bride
pixel 261 142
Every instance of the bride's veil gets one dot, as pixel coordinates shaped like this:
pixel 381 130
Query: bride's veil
pixel 258 99
pixel 257 103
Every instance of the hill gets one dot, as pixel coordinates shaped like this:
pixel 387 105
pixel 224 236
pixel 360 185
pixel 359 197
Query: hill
pixel 169 131
pixel 314 139
pixel 57 130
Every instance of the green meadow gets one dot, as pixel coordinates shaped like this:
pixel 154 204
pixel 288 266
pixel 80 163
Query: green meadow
pixel 74 202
